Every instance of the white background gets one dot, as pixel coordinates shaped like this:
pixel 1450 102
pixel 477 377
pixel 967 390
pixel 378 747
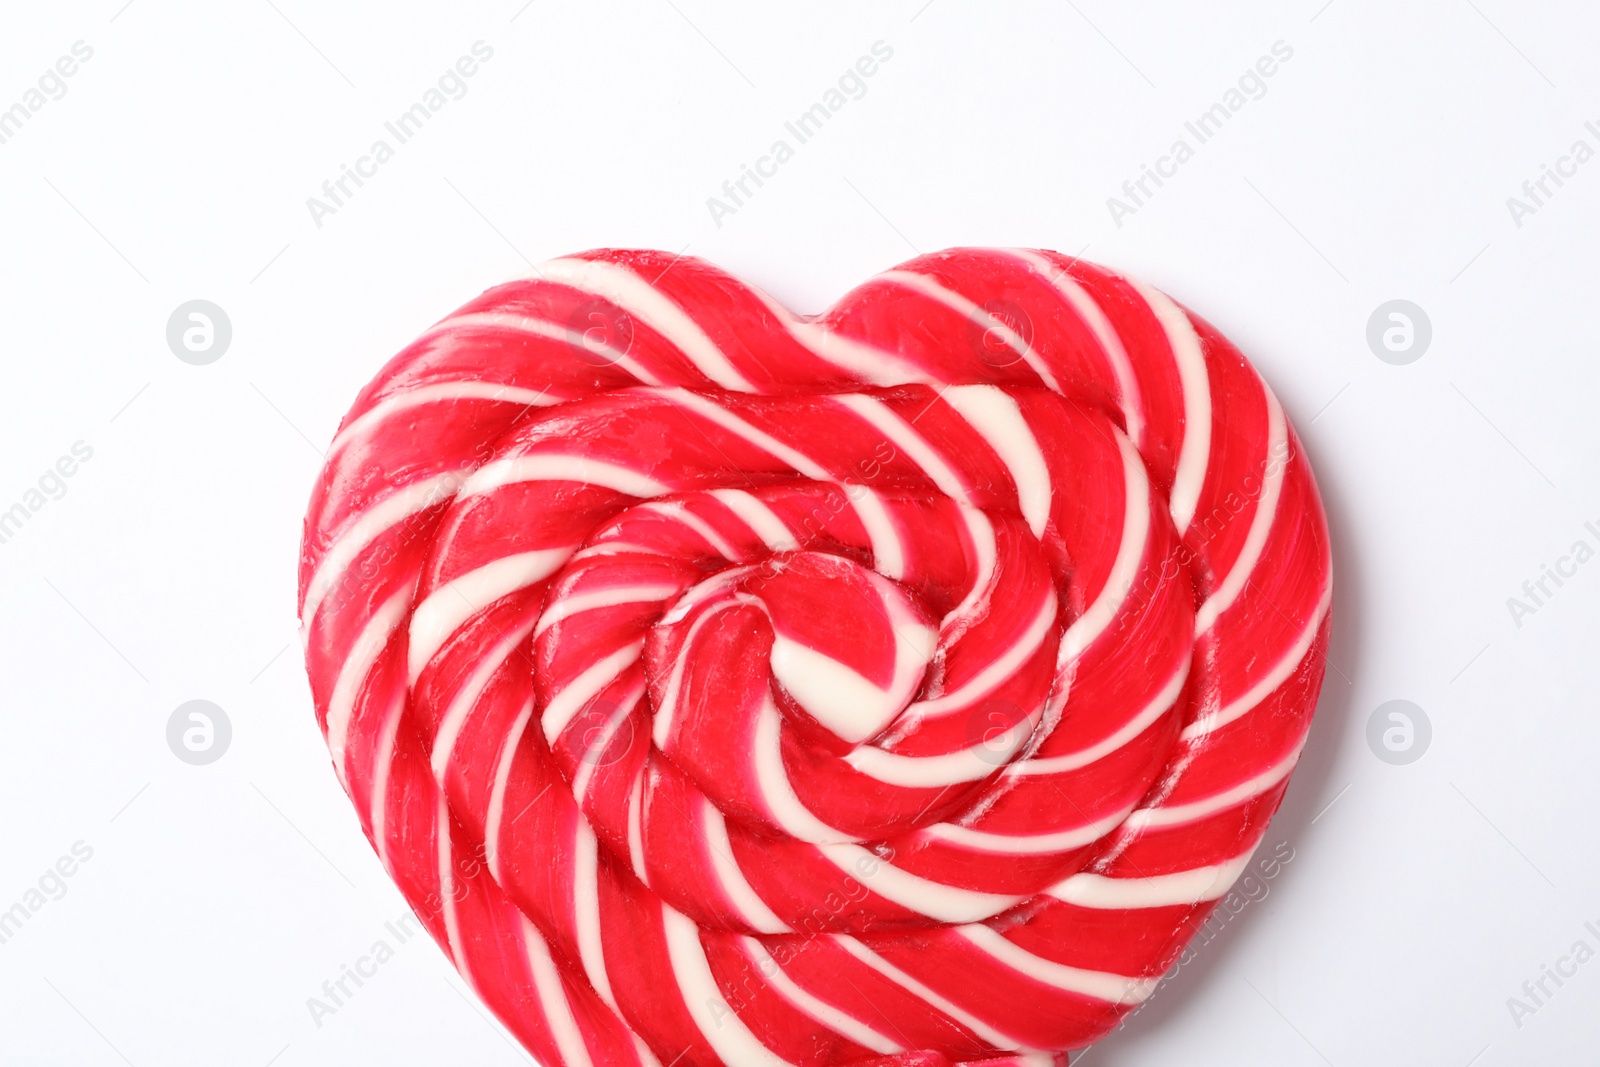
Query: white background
pixel 1377 166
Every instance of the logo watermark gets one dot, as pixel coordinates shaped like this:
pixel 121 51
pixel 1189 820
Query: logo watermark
pixel 600 332
pixel 199 332
pixel 199 732
pixel 1399 732
pixel 1399 332
pixel 999 332
pixel 998 729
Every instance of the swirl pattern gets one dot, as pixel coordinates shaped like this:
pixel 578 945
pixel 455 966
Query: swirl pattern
pixel 902 685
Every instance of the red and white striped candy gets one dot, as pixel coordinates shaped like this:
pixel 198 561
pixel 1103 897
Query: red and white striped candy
pixel 898 686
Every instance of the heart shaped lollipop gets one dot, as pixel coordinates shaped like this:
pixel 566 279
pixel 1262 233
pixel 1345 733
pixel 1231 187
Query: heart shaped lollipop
pixel 902 685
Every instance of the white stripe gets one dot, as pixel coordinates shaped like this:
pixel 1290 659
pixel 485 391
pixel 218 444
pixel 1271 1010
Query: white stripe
pixel 975 604
pixel 666 712
pixel 610 597
pixel 998 671
pixel 888 553
pixel 999 421
pixel 1249 789
pixel 439 393
pixel 372 523
pixel 443 855
pixel 1095 318
pixel 586 911
pixel 357 664
pixel 562 467
pixel 984 1031
pixel 1158 706
pixel 1246 703
pixel 383 762
pixel 946 903
pixel 497 795
pixel 448 607
pixel 851 706
pixel 969 310
pixel 1260 523
pixel 611 548
pixel 553 1002
pixel 649 305
pixel 1130 552
pixel 871 364
pixel 950 768
pixel 677 512
pixel 595 745
pixel 736 889
pixel 554 331
pixel 720 415
pixel 1181 888
pixel 903 435
pixel 762 520
pixel 866 363
pixel 1028 844
pixel 1101 985
pixel 1194 455
pixel 466 698
pixel 648 1058
pixel 718 1023
pixel 783 805
pixel 561 709
pixel 723 583
pixel 836 1019
pixel 846 703
pixel 636 825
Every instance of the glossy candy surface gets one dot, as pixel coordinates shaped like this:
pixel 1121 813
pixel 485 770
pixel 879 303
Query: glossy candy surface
pixel 902 685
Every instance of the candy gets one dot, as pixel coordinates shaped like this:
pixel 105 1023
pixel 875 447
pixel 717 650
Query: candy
pixel 899 686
